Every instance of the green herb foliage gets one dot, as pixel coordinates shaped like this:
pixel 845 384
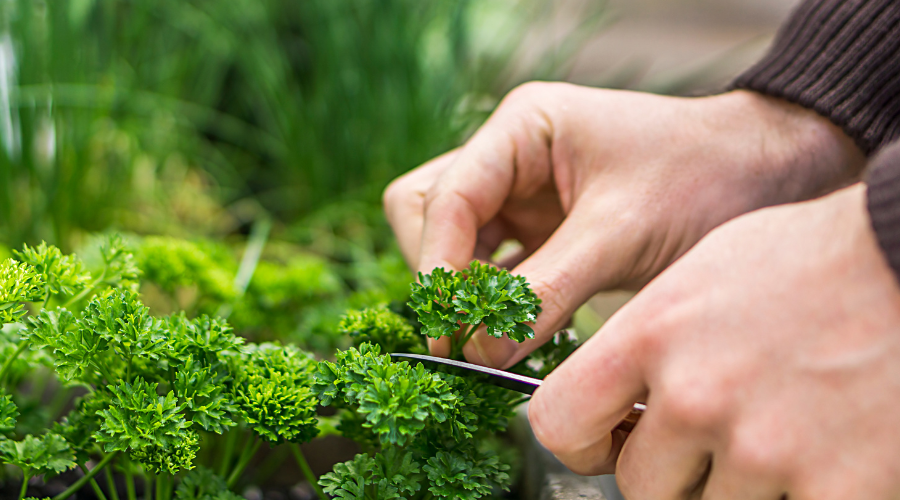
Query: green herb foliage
pixel 19 283
pixel 480 294
pixel 379 325
pixel 156 385
pixel 175 397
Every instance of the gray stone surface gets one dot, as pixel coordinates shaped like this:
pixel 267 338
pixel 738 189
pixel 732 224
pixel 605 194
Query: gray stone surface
pixel 570 487
pixel 545 477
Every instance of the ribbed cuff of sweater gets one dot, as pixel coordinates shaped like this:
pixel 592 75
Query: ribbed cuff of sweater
pixel 840 58
pixel 883 181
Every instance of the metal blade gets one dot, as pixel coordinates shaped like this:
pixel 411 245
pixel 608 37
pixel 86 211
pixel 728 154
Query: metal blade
pixel 512 381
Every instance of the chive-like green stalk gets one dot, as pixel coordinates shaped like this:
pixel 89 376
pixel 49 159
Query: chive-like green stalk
pixel 250 449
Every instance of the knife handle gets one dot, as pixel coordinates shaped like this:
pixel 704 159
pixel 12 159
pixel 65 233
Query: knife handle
pixel 627 424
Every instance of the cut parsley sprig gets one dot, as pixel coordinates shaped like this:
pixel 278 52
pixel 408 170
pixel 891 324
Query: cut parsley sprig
pixel 479 295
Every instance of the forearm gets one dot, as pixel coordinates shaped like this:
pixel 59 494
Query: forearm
pixel 840 58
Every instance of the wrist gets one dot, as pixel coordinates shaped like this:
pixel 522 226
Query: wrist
pixel 795 153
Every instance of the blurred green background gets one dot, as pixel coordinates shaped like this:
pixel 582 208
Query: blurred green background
pixel 241 146
pixel 196 117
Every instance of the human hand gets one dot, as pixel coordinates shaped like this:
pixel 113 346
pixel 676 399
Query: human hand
pixel 768 359
pixel 604 189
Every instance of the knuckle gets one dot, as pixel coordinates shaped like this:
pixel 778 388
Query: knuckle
pixel 394 193
pixel 528 93
pixel 554 289
pixel 752 456
pixel 693 404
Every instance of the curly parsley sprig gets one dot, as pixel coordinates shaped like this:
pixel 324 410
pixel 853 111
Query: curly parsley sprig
pixel 479 295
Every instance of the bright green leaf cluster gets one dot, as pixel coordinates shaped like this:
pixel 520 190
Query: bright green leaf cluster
pixel 205 396
pixel 379 325
pixel 203 484
pixel 150 427
pixel 272 392
pixel 8 414
pixel 396 398
pixel 466 476
pixel 202 338
pixel 62 274
pixel 480 294
pixel 19 283
pixel 76 348
pixel 392 474
pixel 125 324
pixel 48 454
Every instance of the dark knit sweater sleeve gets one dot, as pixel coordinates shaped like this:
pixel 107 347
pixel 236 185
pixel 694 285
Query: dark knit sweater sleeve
pixel 840 58
pixel 883 181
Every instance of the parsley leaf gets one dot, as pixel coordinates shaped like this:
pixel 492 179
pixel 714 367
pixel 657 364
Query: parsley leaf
pixel 8 414
pixel 48 454
pixel 271 389
pixel 204 396
pixel 379 325
pixel 203 484
pixel 456 474
pixel 396 398
pixel 19 283
pixel 393 474
pixel 480 294
pixel 61 274
pixel 150 427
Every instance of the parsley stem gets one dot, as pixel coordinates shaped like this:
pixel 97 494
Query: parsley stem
pixel 105 373
pixel 250 449
pixel 456 347
pixel 88 289
pixel 328 426
pixel 519 401
pixel 231 439
pixel 111 484
pixel 94 485
pixel 468 335
pixel 148 485
pixel 304 466
pixel 129 484
pixel 24 489
pixel 163 486
pixel 87 477
pixel 9 361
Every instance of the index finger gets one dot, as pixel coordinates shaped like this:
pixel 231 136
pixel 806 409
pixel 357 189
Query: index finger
pixel 509 149
pixel 578 405
pixel 404 204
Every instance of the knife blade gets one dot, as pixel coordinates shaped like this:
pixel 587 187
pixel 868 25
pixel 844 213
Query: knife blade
pixel 512 381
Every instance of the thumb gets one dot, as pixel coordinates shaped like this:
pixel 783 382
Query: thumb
pixel 576 262
pixel 578 405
